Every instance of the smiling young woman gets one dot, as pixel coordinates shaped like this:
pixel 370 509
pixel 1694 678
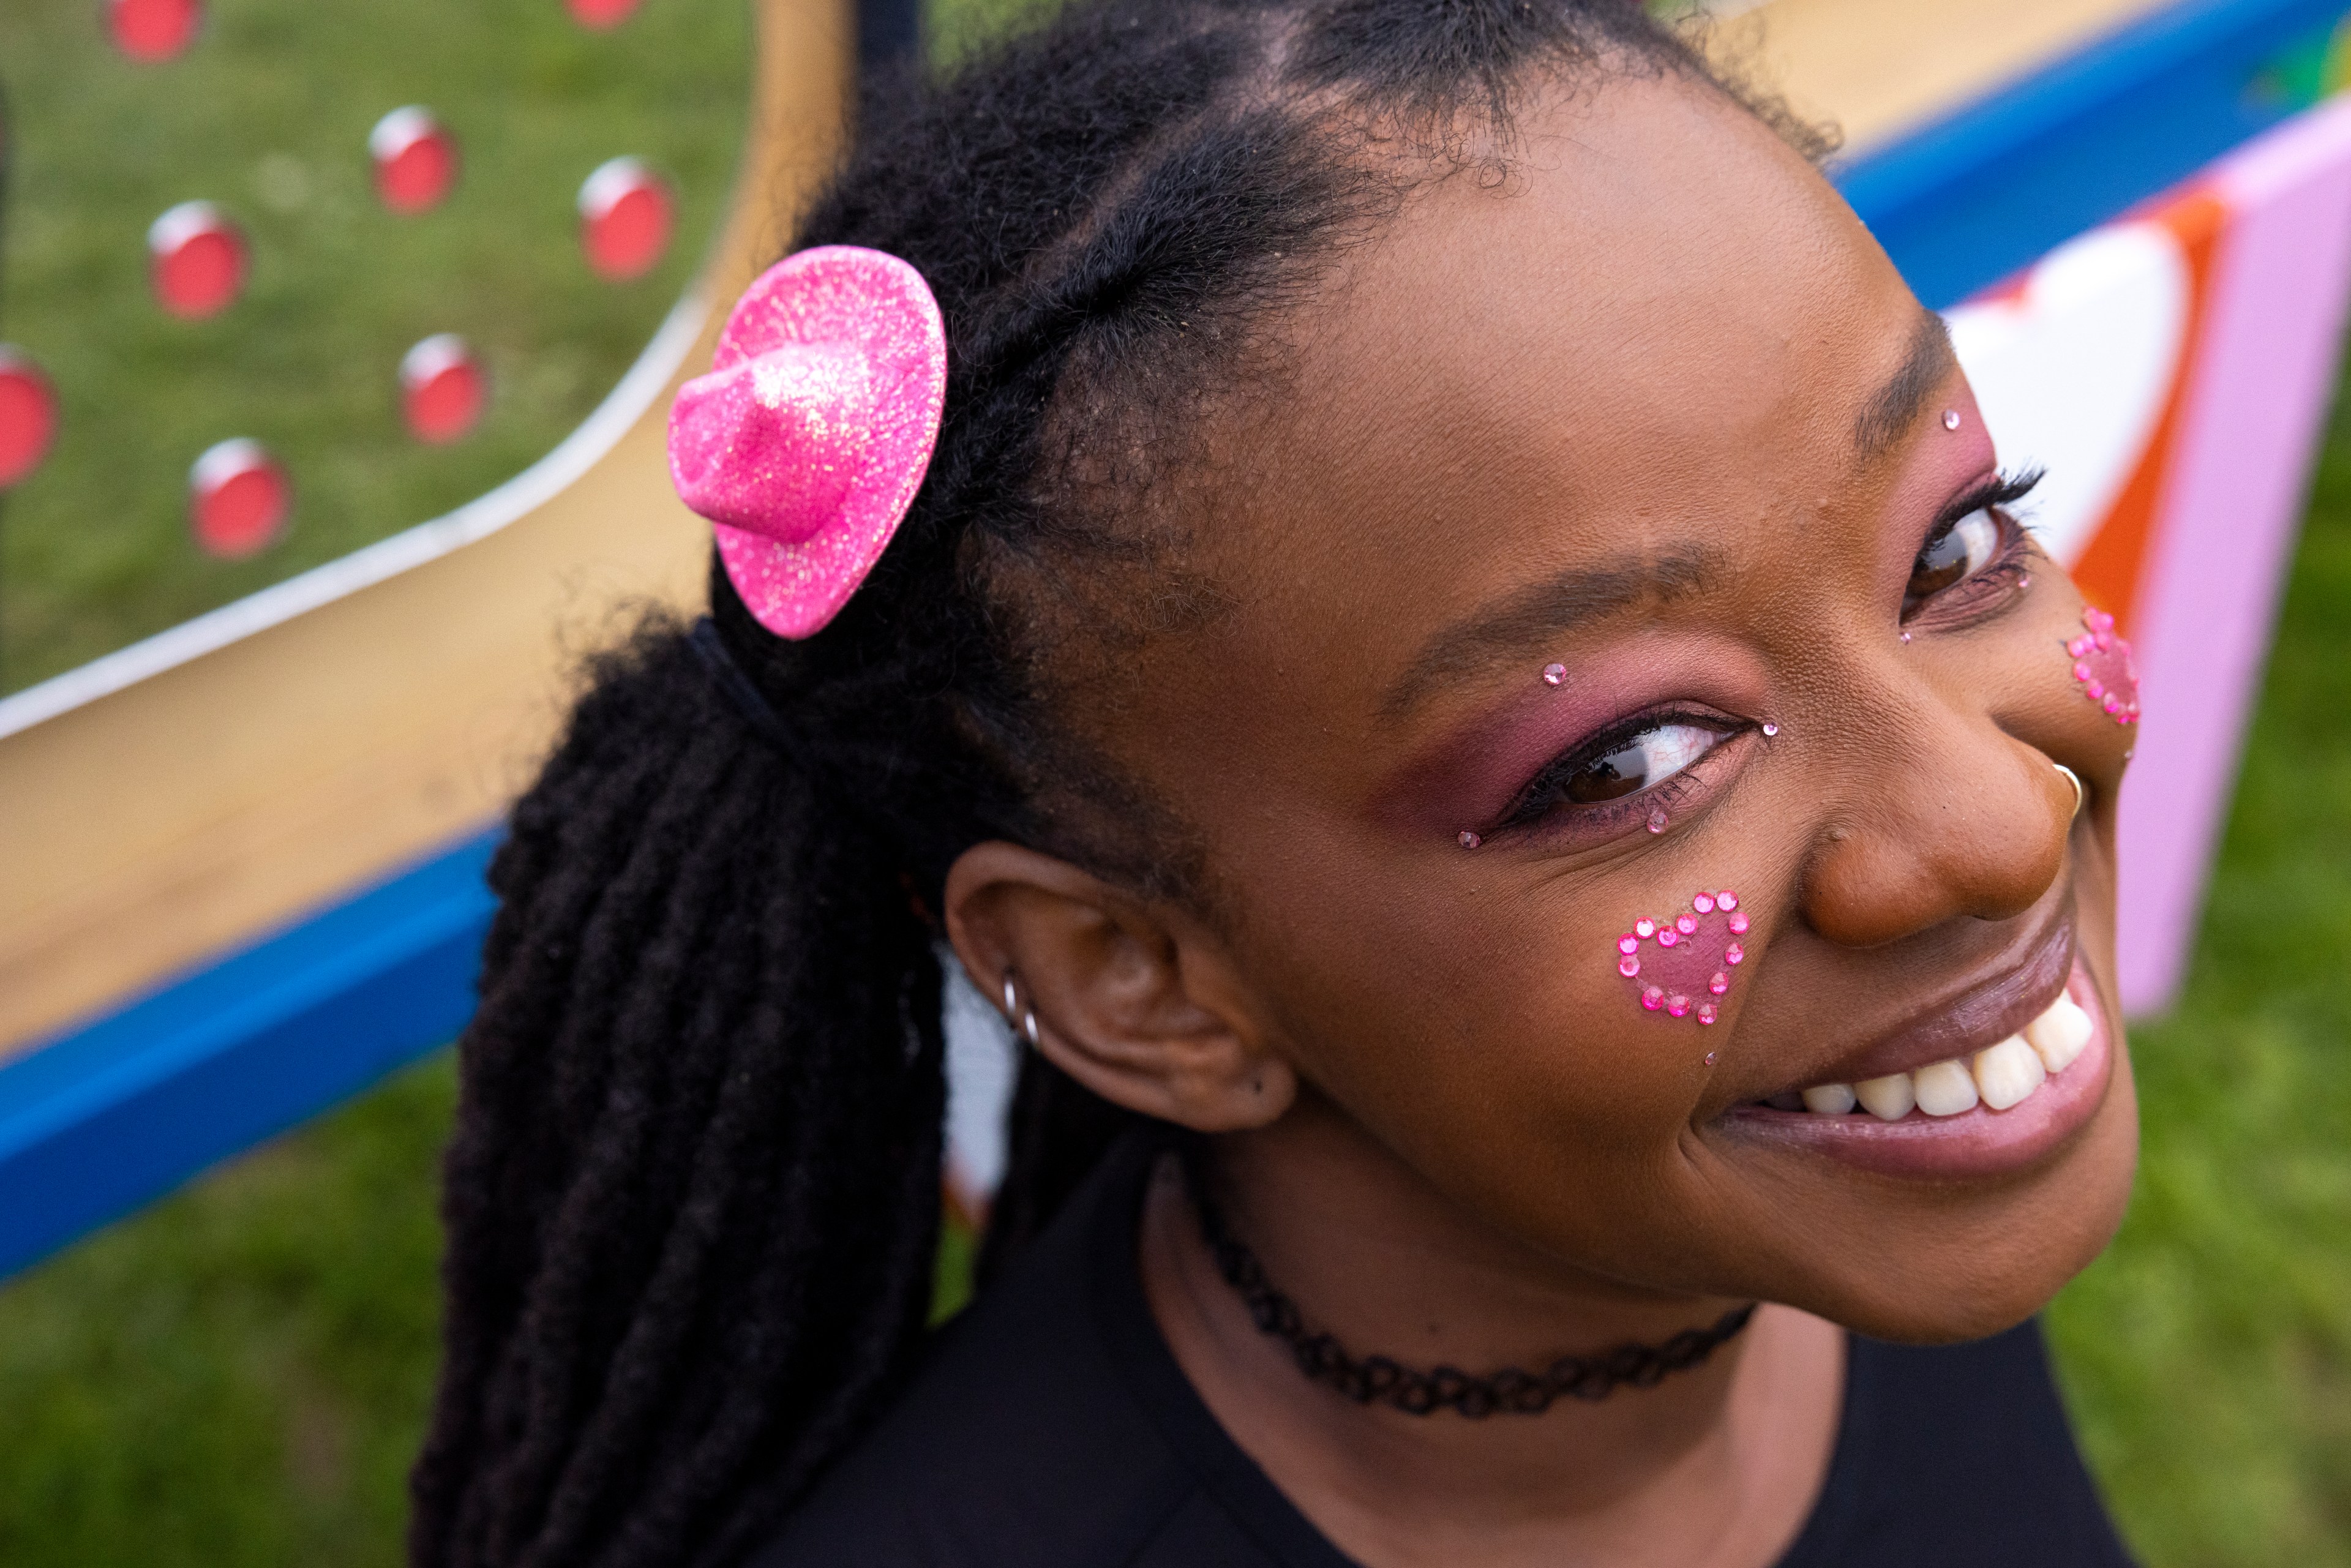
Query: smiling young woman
pixel 1465 671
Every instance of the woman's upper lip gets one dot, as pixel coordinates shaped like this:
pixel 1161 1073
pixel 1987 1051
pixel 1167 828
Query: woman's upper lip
pixel 1979 1014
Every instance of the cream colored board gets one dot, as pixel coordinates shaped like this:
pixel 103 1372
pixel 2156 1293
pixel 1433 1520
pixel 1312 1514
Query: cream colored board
pixel 144 831
pixel 150 827
pixel 1878 68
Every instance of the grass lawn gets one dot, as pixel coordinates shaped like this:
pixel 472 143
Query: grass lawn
pixel 267 114
pixel 238 1376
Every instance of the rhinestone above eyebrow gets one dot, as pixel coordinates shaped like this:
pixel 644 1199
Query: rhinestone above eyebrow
pixel 1554 675
pixel 1950 419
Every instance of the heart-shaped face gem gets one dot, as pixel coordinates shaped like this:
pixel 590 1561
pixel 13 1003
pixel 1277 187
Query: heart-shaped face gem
pixel 1681 965
pixel 2103 669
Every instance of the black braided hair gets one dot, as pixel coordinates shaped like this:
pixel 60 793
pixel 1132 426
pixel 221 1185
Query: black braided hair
pixel 693 1196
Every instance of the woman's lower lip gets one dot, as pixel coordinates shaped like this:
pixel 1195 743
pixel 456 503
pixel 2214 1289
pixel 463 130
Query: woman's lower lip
pixel 1975 1144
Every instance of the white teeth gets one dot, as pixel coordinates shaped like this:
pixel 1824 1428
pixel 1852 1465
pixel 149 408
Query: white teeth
pixel 1829 1099
pixel 2007 1073
pixel 1889 1098
pixel 2059 1034
pixel 1946 1089
pixel 1999 1076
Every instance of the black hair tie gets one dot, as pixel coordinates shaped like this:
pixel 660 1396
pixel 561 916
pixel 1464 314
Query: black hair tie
pixel 745 698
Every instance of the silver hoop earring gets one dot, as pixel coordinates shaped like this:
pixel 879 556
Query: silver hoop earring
pixel 2080 795
pixel 1028 1025
pixel 1012 997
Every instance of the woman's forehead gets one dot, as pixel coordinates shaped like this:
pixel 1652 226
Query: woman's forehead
pixel 1662 311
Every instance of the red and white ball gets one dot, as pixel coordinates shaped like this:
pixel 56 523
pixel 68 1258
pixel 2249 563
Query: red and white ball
pixel 154 31
pixel 238 499
pixel 415 160
pixel 442 389
pixel 601 15
pixel 626 214
pixel 28 416
pixel 197 260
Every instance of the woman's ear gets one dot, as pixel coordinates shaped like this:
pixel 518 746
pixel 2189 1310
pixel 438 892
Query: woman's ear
pixel 1140 1004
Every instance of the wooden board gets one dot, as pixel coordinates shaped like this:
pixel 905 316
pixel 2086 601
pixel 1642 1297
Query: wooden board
pixel 150 827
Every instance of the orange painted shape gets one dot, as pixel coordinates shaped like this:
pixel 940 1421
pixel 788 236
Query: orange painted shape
pixel 2107 571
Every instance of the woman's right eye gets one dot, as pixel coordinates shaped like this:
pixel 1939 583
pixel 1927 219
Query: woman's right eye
pixel 1649 758
pixel 1616 770
pixel 1954 555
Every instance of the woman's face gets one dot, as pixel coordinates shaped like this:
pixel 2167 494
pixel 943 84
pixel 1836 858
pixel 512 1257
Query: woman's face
pixel 1617 544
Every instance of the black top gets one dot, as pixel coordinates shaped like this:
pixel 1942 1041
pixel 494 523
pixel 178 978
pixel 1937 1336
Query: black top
pixel 1050 1428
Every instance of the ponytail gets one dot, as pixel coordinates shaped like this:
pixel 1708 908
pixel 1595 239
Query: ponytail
pixel 692 1196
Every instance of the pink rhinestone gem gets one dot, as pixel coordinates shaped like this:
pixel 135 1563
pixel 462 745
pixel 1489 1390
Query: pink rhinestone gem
pixel 2080 647
pixel 1906 636
pixel 1950 419
pixel 2105 639
pixel 2097 621
pixel 1720 984
pixel 1706 1012
pixel 1644 928
pixel 1703 904
pixel 1728 899
pixel 2112 705
pixel 1709 1059
pixel 1554 675
pixel 1668 936
pixel 1470 841
pixel 1657 820
pixel 1734 954
pixel 1653 997
pixel 1771 729
pixel 1739 926
pixel 1628 943
pixel 1677 1005
pixel 2081 671
pixel 1628 967
pixel 2096 690
pixel 1685 924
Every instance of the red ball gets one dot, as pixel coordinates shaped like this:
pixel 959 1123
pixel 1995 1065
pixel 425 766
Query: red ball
pixel 442 388
pixel 238 499
pixel 151 31
pixel 197 260
pixel 626 214
pixel 415 160
pixel 28 416
pixel 601 14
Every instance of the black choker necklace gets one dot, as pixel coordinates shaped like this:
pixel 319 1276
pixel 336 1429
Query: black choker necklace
pixel 1377 1380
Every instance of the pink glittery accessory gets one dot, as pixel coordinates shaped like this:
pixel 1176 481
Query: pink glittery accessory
pixel 805 443
pixel 2103 669
pixel 1681 965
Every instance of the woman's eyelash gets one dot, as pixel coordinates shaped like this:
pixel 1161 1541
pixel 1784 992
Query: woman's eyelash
pixel 2000 490
pixel 1543 791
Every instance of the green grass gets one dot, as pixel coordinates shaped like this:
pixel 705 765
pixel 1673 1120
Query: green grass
pixel 267 114
pixel 239 1375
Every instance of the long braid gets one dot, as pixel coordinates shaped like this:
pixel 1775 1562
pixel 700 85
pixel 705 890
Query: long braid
pixel 692 1197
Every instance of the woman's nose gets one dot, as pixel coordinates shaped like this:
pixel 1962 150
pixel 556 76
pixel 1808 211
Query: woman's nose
pixel 1959 820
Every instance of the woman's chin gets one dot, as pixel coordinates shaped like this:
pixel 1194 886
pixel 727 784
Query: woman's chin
pixel 1977 1262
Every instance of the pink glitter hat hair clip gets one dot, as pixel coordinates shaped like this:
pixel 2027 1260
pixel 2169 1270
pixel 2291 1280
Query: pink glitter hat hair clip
pixel 805 443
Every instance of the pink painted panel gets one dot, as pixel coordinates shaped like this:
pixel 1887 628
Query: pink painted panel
pixel 2226 519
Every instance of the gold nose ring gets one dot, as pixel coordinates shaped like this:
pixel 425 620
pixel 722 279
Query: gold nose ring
pixel 2080 794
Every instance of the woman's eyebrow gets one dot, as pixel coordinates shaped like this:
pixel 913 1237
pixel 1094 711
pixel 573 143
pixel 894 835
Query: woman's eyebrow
pixel 1520 621
pixel 1895 407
